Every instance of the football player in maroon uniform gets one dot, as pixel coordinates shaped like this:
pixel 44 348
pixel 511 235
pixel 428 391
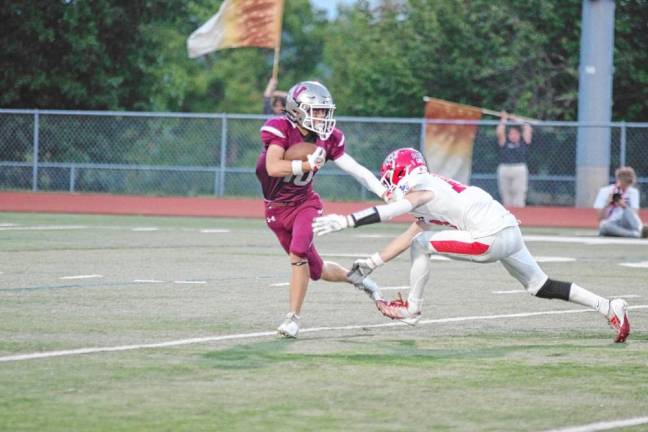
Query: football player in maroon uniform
pixel 290 202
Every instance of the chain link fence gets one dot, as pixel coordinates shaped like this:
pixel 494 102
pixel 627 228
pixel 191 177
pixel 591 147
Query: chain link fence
pixel 215 154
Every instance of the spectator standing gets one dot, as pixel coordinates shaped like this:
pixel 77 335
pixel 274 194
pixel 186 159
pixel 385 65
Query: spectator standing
pixel 512 172
pixel 274 101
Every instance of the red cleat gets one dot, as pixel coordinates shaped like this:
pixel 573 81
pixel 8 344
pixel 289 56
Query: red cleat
pixel 398 309
pixel 618 319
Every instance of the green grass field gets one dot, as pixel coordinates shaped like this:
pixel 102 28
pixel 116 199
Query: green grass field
pixel 73 282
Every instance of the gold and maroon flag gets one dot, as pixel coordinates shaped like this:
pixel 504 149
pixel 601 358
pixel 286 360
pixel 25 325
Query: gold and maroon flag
pixel 239 23
pixel 449 147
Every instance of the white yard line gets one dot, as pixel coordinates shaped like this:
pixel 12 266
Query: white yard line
pixel 551 239
pixel 509 292
pixel 278 284
pixel 43 228
pixel 585 240
pixel 145 229
pixel 3 225
pixel 147 281
pixel 346 255
pixel 603 426
pixel 214 231
pixel 179 342
pixel 189 282
pixel 642 264
pixel 395 288
pixel 89 276
pixel 553 259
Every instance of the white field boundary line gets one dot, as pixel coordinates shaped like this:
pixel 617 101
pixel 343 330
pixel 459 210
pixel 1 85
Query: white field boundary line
pixel 180 342
pixel 548 238
pixel 603 426
pixel 88 276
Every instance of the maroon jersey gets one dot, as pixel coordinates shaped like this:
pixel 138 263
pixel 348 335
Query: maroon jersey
pixel 284 133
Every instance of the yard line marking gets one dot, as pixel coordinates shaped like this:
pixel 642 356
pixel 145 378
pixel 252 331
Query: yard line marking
pixel 147 281
pixel 642 264
pixel 214 231
pixel 584 240
pixel 7 225
pixel 439 258
pixel 365 255
pixel 375 235
pixel 188 282
pixel 346 255
pixel 394 288
pixel 591 240
pixel 509 292
pixel 179 342
pixel 602 426
pixel 90 276
pixel 280 284
pixel 145 229
pixel 43 228
pixel 625 296
pixel 552 259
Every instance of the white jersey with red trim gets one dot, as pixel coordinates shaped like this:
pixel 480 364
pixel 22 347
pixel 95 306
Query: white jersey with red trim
pixel 467 208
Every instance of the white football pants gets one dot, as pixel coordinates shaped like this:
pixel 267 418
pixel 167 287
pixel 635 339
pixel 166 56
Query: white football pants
pixel 506 246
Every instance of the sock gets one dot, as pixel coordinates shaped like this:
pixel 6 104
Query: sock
pixel 587 298
pixel 419 273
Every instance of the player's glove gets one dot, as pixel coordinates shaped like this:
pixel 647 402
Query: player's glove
pixel 365 266
pixel 330 223
pixel 316 159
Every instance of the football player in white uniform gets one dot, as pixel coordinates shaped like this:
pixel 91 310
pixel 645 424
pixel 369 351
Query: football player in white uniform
pixel 483 232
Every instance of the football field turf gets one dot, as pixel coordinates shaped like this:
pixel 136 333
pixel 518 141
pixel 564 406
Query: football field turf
pixel 167 324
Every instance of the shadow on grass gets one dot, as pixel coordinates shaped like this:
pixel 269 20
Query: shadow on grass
pixel 401 352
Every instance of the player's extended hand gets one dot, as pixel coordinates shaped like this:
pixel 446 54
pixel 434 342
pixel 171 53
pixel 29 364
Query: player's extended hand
pixel 316 159
pixel 330 223
pixel 364 266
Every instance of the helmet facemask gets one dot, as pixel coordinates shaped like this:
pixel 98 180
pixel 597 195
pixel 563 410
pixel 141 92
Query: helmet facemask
pixel 322 125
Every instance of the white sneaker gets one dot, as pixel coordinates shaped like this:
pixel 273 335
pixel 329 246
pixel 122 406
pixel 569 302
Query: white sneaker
pixel 290 326
pixel 618 319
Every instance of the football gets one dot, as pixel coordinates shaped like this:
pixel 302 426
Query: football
pixel 299 151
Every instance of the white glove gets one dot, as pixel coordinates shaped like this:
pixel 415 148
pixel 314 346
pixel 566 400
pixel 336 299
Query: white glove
pixel 365 266
pixel 330 223
pixel 316 159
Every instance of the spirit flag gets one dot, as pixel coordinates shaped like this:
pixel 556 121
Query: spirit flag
pixel 239 23
pixel 449 147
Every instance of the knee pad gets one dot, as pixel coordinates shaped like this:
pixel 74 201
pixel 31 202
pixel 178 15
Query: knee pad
pixel 553 289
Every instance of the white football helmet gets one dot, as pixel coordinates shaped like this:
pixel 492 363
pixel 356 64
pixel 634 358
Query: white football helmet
pixel 302 102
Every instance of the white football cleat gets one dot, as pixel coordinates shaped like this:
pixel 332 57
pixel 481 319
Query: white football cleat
pixel 290 327
pixel 618 319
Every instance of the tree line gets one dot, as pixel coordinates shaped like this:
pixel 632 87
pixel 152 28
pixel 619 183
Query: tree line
pixel 378 58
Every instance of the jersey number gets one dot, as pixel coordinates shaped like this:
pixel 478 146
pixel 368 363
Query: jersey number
pixel 299 181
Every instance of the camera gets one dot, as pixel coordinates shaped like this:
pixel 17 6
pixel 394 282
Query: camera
pixel 616 197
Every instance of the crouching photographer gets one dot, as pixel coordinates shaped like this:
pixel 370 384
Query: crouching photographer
pixel 618 207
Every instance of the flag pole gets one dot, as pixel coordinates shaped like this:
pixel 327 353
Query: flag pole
pixel 487 111
pixel 277 48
